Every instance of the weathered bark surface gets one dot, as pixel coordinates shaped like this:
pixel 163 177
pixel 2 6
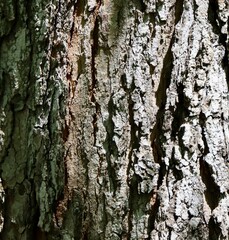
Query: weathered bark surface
pixel 114 119
pixel 33 47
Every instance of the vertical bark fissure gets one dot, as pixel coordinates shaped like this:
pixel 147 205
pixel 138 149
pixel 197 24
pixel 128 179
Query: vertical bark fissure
pixel 73 27
pixel 130 164
pixel 72 84
pixel 110 146
pixel 214 229
pixel 157 132
pixel 33 204
pixel 134 146
pixel 179 4
pixel 212 191
pixel 180 114
pixel 31 47
pixel 94 52
pixel 65 198
pixel 202 122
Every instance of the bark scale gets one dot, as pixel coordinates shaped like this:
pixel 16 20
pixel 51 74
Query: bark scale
pixel 114 119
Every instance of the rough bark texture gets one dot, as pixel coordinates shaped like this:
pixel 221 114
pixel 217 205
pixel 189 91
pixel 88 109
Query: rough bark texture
pixel 114 119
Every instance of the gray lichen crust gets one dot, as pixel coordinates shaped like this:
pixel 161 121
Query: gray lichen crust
pixel 114 119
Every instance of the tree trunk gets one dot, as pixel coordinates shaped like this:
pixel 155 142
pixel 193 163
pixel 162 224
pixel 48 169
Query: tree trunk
pixel 114 119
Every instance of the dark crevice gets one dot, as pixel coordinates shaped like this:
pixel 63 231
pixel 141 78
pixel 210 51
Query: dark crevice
pixel 72 30
pixel 180 135
pixel 110 146
pixel 94 52
pixel 156 134
pixel 136 200
pixel 181 111
pixel 158 154
pixel 95 127
pixel 94 49
pixel 130 156
pixel 195 7
pixel 157 137
pixel 131 201
pixel 214 229
pixel 178 10
pixel 39 234
pixel 81 60
pixel 66 173
pixel 151 71
pixel 29 27
pixel 153 215
pixel 213 18
pixel 165 77
pixel 140 5
pixel 202 120
pixel 155 208
pixel 212 191
pixel 80 6
pixel 225 63
pixel 51 127
pixel 65 132
pixel 123 82
pixel 170 232
pixel 134 129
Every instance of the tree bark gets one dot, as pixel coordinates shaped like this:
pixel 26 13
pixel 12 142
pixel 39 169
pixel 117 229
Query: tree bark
pixel 114 119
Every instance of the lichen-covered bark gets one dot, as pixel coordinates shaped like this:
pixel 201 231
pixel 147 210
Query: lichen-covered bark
pixel 33 47
pixel 114 119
